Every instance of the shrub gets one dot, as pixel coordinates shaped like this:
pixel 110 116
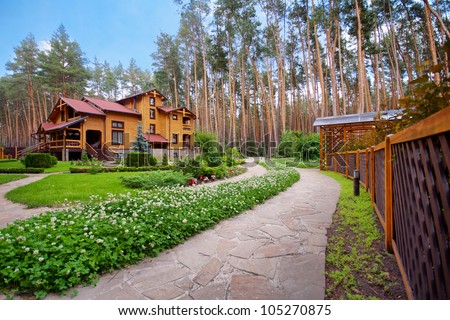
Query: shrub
pixel 165 160
pixel 213 158
pixel 155 179
pixel 140 159
pixel 40 160
pixel 21 170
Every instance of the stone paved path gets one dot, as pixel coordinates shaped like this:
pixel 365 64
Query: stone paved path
pixel 10 211
pixel 274 251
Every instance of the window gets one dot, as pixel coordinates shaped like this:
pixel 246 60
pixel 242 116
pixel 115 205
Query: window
pixel 118 124
pixel 175 117
pixel 152 129
pixel 152 101
pixel 117 137
pixel 175 154
pixel 71 113
pixel 152 113
pixel 174 138
pixel 186 120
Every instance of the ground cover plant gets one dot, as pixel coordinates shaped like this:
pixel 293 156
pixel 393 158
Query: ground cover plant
pixel 357 264
pixel 5 178
pixel 58 250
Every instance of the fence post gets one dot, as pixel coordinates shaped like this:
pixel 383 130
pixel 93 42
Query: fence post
pixel 346 164
pixel 388 215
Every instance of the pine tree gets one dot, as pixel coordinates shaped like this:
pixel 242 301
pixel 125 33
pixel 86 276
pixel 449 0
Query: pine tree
pixel 140 144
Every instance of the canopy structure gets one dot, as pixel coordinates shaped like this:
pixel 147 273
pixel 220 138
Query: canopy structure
pixel 336 131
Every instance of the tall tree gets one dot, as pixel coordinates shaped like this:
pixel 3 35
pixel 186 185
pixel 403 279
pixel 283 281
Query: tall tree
pixel 63 67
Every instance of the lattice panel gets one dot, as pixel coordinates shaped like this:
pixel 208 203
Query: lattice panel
pixel 362 167
pixel 341 164
pixel 351 163
pixel 421 211
pixel 379 182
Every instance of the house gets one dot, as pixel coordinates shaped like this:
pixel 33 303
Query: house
pixel 106 129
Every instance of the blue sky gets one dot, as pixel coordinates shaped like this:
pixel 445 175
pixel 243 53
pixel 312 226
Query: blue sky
pixel 111 30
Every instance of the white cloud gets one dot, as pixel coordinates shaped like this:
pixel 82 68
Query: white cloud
pixel 44 45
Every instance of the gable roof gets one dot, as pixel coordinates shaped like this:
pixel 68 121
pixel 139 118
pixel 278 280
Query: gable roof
pixel 47 126
pixel 81 106
pixel 170 110
pixel 107 106
pixel 154 91
pixel 358 118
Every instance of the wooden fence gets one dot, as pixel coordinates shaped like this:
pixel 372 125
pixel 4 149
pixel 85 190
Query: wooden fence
pixel 408 178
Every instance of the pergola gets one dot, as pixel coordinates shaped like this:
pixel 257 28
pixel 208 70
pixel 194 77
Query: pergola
pixel 336 131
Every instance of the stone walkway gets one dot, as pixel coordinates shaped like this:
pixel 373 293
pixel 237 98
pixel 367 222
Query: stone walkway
pixel 274 251
pixel 10 211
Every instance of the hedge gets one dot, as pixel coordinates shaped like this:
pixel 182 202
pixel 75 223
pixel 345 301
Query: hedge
pixel 140 159
pixel 21 170
pixel 121 169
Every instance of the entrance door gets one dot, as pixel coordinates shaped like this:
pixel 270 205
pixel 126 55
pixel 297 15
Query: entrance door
pixel 94 138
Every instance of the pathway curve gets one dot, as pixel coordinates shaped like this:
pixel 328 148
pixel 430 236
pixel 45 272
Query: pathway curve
pixel 274 251
pixel 10 211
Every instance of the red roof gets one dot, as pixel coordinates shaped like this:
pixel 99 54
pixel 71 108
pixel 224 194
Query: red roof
pixel 110 106
pixel 155 138
pixel 82 107
pixel 169 110
pixel 47 126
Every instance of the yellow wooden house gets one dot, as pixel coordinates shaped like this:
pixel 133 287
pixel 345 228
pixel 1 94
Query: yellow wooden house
pixel 105 129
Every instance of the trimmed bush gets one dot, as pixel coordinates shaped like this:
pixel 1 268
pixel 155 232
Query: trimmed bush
pixel 120 169
pixel 21 170
pixel 140 159
pixel 39 160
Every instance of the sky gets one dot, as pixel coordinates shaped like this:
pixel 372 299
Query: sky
pixel 111 30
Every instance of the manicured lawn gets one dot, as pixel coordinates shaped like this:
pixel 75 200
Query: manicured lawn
pixel 5 178
pixel 292 162
pixel 56 189
pixel 11 164
pixel 62 166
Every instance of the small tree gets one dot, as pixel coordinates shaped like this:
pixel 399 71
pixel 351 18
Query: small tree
pixel 140 144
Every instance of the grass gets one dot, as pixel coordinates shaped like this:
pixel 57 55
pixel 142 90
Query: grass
pixel 54 190
pixel 355 265
pixel 5 178
pixel 61 166
pixel 293 162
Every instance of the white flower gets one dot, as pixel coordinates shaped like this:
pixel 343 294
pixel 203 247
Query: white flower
pixel 99 241
pixel 41 259
pixel 184 220
pixel 36 252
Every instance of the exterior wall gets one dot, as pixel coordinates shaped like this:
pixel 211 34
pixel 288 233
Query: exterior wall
pixel 130 129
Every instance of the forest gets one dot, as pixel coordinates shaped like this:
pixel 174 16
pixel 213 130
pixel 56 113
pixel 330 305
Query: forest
pixel 249 69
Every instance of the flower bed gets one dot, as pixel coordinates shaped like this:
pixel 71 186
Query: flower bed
pixel 58 250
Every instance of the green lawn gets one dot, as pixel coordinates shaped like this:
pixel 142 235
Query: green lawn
pixel 292 162
pixel 56 189
pixel 5 178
